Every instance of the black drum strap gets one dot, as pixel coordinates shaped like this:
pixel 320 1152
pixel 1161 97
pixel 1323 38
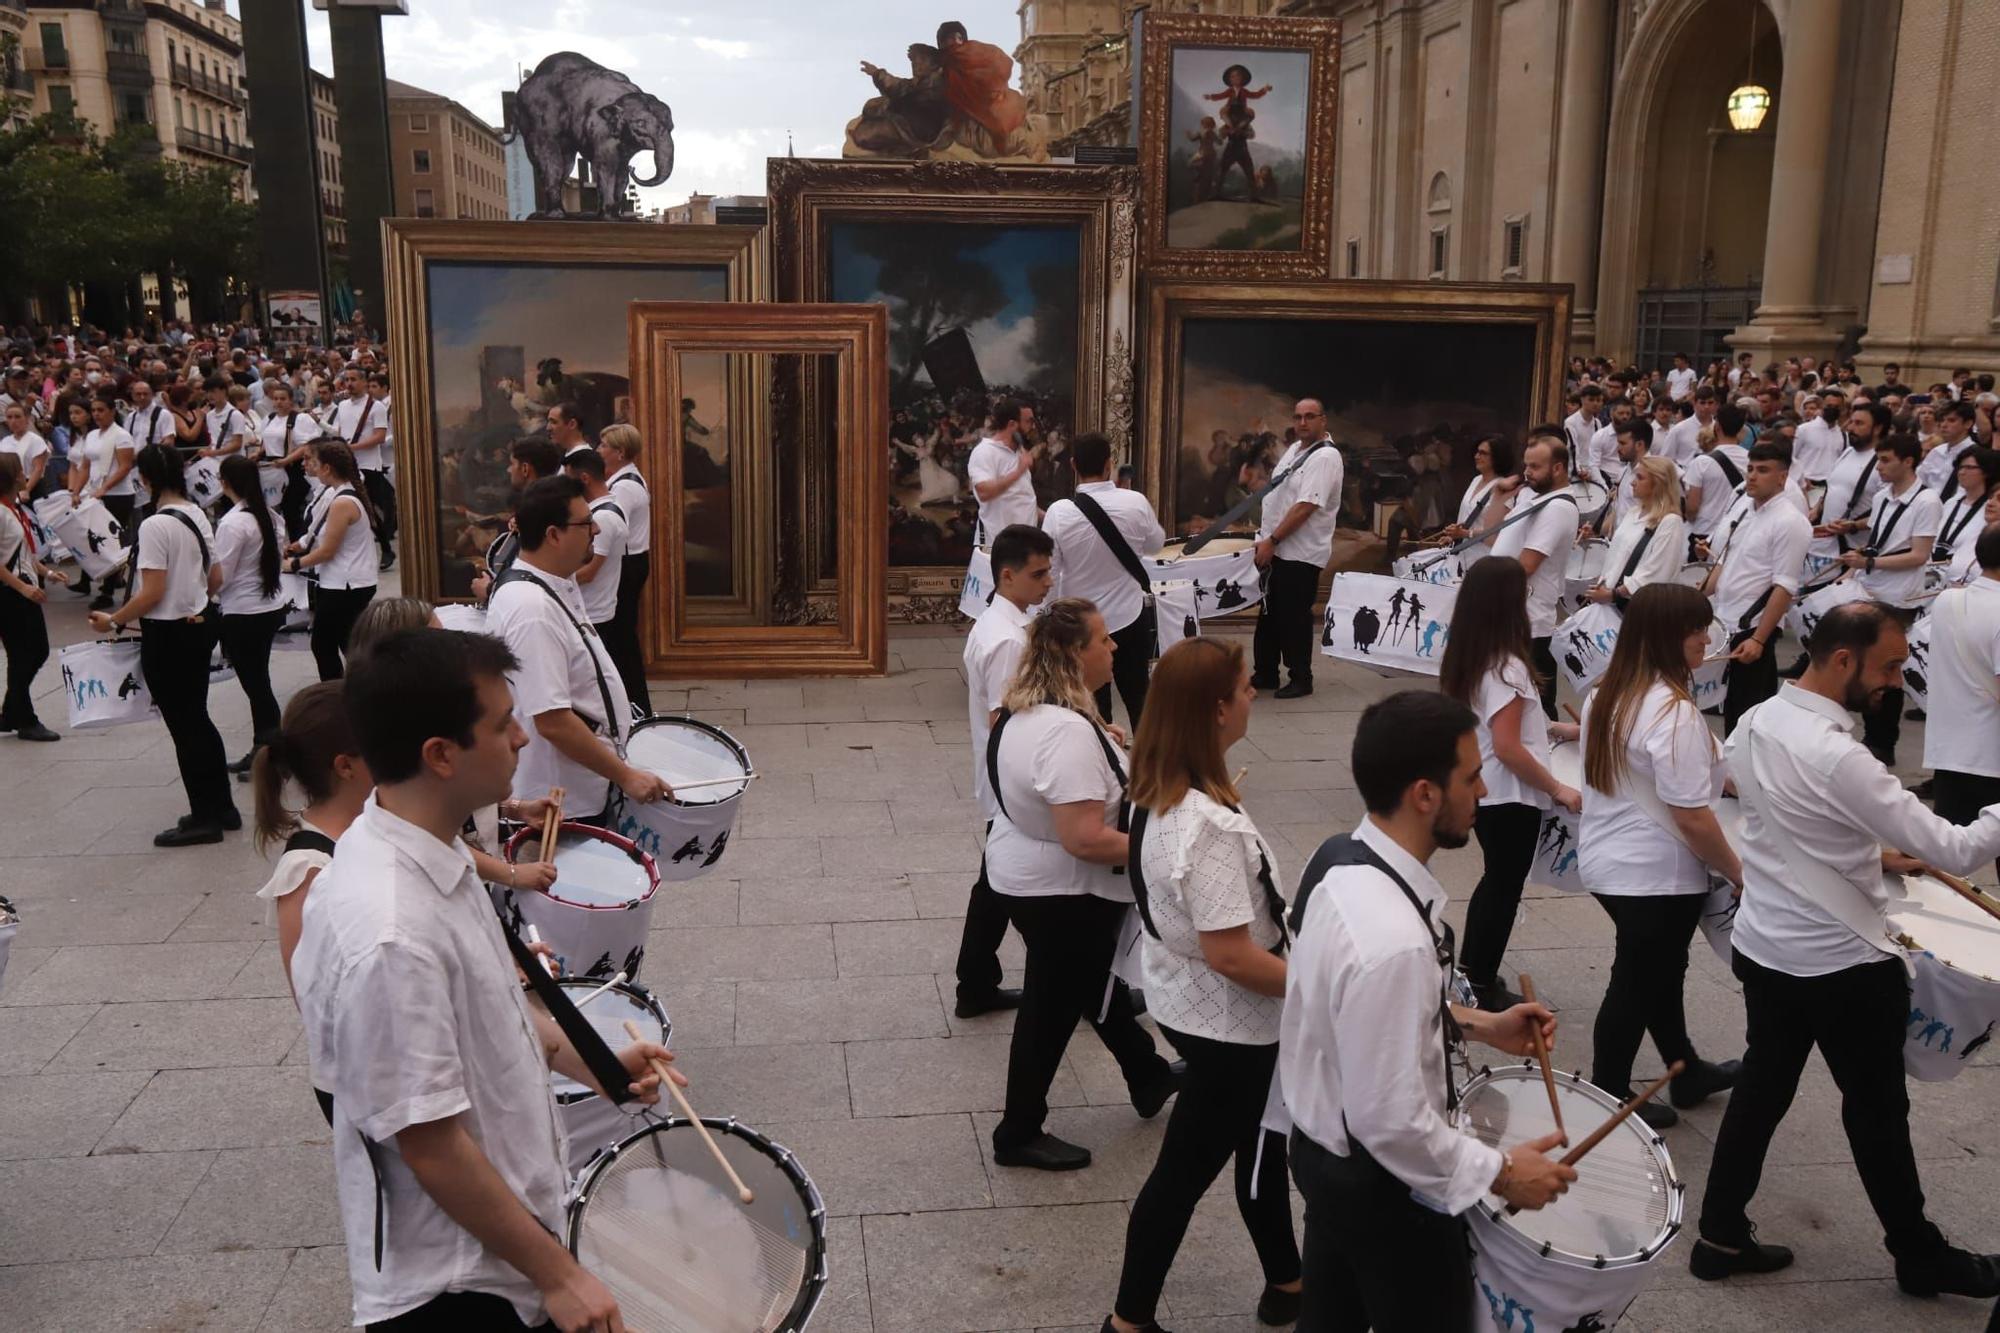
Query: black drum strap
pixel 1273 903
pixel 598 1057
pixel 1110 757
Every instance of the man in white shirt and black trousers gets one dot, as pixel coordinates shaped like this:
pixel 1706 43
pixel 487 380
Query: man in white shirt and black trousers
pixel 1000 468
pixel 1362 1056
pixel 619 446
pixel 1106 567
pixel 1539 534
pixel 600 575
pixel 1902 527
pixel 1294 544
pixel 1022 576
pixel 1759 555
pixel 1822 820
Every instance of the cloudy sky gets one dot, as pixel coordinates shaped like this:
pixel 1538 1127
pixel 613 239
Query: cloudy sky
pixel 739 76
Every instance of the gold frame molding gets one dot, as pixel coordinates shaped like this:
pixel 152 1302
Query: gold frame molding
pixel 1161 35
pixel 853 640
pixel 411 245
pixel 809 195
pixel 1545 308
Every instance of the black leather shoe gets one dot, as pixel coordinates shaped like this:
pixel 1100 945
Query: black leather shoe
pixel 1044 1152
pixel 1002 999
pixel 1656 1113
pixel 1264 682
pixel 229 823
pixel 1109 1327
pixel 1493 996
pixel 1710 1262
pixel 188 835
pixel 241 768
pixel 35 731
pixel 1702 1080
pixel 1149 1102
pixel 1297 689
pixel 1950 1272
pixel 388 559
pixel 102 602
pixel 1278 1307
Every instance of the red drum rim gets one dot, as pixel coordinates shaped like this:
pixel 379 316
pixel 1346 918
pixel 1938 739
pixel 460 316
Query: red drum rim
pixel 735 748
pixel 624 845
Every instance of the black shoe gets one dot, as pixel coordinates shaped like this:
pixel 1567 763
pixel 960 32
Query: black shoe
pixel 388 558
pixel 1278 1307
pixel 1701 1080
pixel 1655 1113
pixel 229 823
pixel 1925 790
pixel 1149 1102
pixel 102 602
pixel 1264 682
pixel 241 768
pixel 1950 1272
pixel 1109 1327
pixel 1044 1152
pixel 1493 996
pixel 1710 1262
pixel 1297 689
pixel 188 835
pixel 991 1003
pixel 35 731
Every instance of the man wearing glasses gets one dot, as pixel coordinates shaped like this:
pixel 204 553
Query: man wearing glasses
pixel 1294 543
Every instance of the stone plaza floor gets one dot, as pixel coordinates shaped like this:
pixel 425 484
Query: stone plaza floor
pixel 163 1166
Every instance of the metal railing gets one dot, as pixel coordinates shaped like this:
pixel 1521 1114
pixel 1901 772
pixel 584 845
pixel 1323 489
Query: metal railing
pixel 196 141
pixel 41 58
pixel 118 63
pixel 1695 320
pixel 184 76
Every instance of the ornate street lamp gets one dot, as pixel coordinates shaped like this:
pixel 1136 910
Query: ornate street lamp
pixel 1750 100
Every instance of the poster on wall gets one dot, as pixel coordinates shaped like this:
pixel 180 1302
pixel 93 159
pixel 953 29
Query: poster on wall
pixel 294 319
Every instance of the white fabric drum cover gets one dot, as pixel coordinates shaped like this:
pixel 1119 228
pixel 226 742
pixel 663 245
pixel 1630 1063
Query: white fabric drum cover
pixel 1556 851
pixel 1803 614
pixel 1581 1261
pixel 271 480
pixel 688 834
pixel 592 1123
pixel 1955 992
pixel 1388 624
pixel 295 632
pixel 1917 666
pixel 90 532
pixel 1224 573
pixel 104 684
pixel 1582 644
pixel 596 914
pixel 1430 567
pixel 976 589
pixel 1175 611
pixel 204 481
pixel 464 616
pixel 10 925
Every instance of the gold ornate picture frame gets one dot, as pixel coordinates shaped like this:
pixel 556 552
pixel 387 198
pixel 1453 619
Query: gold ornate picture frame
pixel 969 260
pixel 1238 123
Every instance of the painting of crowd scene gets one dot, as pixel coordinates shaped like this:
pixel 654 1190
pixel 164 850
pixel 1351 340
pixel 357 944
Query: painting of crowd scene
pixel 977 313
pixel 1236 168
pixel 506 342
pixel 1406 403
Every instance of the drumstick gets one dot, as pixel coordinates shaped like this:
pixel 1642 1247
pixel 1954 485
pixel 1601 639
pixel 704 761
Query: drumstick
pixel 1542 1056
pixel 1982 901
pixel 1598 1135
pixel 535 937
pixel 660 1068
pixel 616 981
pixel 711 782
pixel 551 820
pixel 1241 773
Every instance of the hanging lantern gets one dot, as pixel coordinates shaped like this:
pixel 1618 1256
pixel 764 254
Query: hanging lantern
pixel 1747 106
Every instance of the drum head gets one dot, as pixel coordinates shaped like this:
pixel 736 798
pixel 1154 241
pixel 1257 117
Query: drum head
pixel 607 1014
pixel 1590 495
pixel 658 1222
pixel 592 870
pixel 1625 1202
pixel 682 750
pixel 1176 547
pixel 1936 920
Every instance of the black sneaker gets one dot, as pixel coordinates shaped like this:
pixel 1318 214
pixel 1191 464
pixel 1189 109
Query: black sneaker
pixel 1950 1272
pixel 1278 1307
pixel 102 602
pixel 1149 1102
pixel 388 559
pixel 1044 1152
pixel 1297 689
pixel 1711 1262
pixel 241 768
pixel 1701 1080
pixel 1001 999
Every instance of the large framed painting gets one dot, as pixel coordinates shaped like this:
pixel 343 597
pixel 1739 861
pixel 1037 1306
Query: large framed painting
pixel 1238 122
pixel 998 281
pixel 490 323
pixel 1411 376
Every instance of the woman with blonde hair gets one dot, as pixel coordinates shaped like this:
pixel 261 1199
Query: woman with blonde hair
pixel 1056 856
pixel 1649 839
pixel 1205 883
pixel 1649 544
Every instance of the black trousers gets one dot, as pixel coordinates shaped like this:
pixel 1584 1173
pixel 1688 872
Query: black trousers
pixel 1748 684
pixel 24 636
pixel 458 1310
pixel 1507 835
pixel 174 655
pixel 1215 1117
pixel 1644 995
pixel 1070 938
pixel 1882 727
pixel 626 654
pixel 1857 1017
pixel 1545 667
pixel 1131 668
pixel 1378 1259
pixel 1285 620
pixel 1959 797
pixel 246 642
pixel 979 942
pixel 334 612
pixel 382 496
pixel 292 504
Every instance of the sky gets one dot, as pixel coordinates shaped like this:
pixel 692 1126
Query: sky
pixel 739 76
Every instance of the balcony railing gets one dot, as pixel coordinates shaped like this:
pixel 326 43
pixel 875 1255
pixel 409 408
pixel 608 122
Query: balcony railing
pixel 197 142
pixel 15 78
pixel 129 64
pixel 41 58
pixel 192 79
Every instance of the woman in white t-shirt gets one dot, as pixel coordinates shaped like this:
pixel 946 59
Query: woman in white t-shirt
pixel 1487 498
pixel 340 549
pixel 1055 855
pixel 1650 838
pixel 1978 478
pixel 1214 957
pixel 1489 666
pixel 249 551
pixel 1650 544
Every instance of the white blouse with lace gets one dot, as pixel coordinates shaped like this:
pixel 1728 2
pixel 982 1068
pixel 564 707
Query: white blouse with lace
pixel 1200 862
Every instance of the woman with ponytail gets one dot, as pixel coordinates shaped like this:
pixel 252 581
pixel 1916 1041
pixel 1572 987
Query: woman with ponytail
pixel 340 548
pixel 314 747
pixel 247 550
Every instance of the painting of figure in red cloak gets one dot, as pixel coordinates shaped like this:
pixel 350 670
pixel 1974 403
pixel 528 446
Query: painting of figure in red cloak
pixel 956 103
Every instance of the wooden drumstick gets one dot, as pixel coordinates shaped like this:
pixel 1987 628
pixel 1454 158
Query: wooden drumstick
pixel 1965 890
pixel 1598 1135
pixel 660 1067
pixel 1542 1057
pixel 745 778
pixel 551 821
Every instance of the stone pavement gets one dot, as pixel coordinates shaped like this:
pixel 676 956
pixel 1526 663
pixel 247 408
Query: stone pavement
pixel 162 1165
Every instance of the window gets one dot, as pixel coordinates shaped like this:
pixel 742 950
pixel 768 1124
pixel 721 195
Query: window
pixel 134 109
pixel 1440 250
pixel 420 124
pixel 53 51
pixel 62 102
pixel 180 118
pixel 420 161
pixel 1353 258
pixel 1513 247
pixel 426 204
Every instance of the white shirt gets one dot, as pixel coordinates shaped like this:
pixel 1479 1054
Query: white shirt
pixel 629 489
pixel 283 433
pixel 155 425
pixel 1717 491
pixel 1319 483
pixel 1050 756
pixel 27 448
pixel 992 650
pixel 1359 1049
pixel 353 563
pixel 1891 530
pixel 1854 471
pixel 358 418
pixel 1474 516
pixel 1604 464
pixel 1201 865
pixel 100 450
pixel 1551 529
pixel 14 556
pixel 1682 442
pixel 1625 850
pixel 1816 447
pixel 1502 686
pixel 1938 465
pixel 165 543
pixel 413 1014
pixel 239 548
pixel 1084 565
pixel 1581 431
pixel 226 424
pixel 608 539
pixel 1840 806
pixel 1761 546
pixel 991 460
pixel 1680 382
pixel 1661 561
pixel 558 669
pixel 1964 662
pixel 1963 521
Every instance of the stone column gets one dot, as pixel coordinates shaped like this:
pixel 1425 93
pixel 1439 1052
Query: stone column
pixel 1577 198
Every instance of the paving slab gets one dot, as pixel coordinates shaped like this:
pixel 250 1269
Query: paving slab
pixel 61 1115
pixel 994 1268
pixel 889 1164
pixel 256 1198
pixel 182 1034
pixel 181 1110
pixel 313 1296
pixel 217 1293
pixel 846 1009
pixel 30 1037
pixel 940 1074
pixel 62 1209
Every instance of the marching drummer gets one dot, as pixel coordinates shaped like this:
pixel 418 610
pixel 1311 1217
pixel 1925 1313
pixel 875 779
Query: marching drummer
pixel 1083 527
pixel 1541 541
pixel 1902 527
pixel 1759 555
pixel 1963 750
pixel 1822 820
pixel 567 690
pixel 1362 1042
pixel 285 441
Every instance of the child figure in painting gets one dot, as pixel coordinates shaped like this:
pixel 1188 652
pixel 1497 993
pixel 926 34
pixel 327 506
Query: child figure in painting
pixel 1203 166
pixel 1237 128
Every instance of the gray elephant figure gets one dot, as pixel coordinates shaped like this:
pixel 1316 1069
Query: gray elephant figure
pixel 572 106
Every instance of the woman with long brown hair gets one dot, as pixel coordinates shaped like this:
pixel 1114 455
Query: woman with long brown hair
pixel 340 547
pixel 315 748
pixel 1489 667
pixel 1649 838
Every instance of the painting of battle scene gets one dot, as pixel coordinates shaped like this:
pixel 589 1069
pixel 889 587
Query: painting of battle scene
pixel 1236 168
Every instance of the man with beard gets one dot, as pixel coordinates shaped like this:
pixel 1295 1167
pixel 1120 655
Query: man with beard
pixel 1541 541
pixel 1814 956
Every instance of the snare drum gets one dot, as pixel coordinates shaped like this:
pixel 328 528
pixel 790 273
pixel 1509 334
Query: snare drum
pixel 1224 573
pixel 657 1221
pixel 1711 677
pixel 1557 851
pixel 687 834
pixel 204 481
pixel 1581 1261
pixel 88 530
pixel 1586 567
pixel 1694 574
pixel 1955 990
pixel 461 616
pixel 1591 496
pixel 1917 666
pixel 592 1123
pixel 596 913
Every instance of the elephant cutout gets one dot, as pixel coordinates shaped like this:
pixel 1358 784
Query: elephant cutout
pixel 572 107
